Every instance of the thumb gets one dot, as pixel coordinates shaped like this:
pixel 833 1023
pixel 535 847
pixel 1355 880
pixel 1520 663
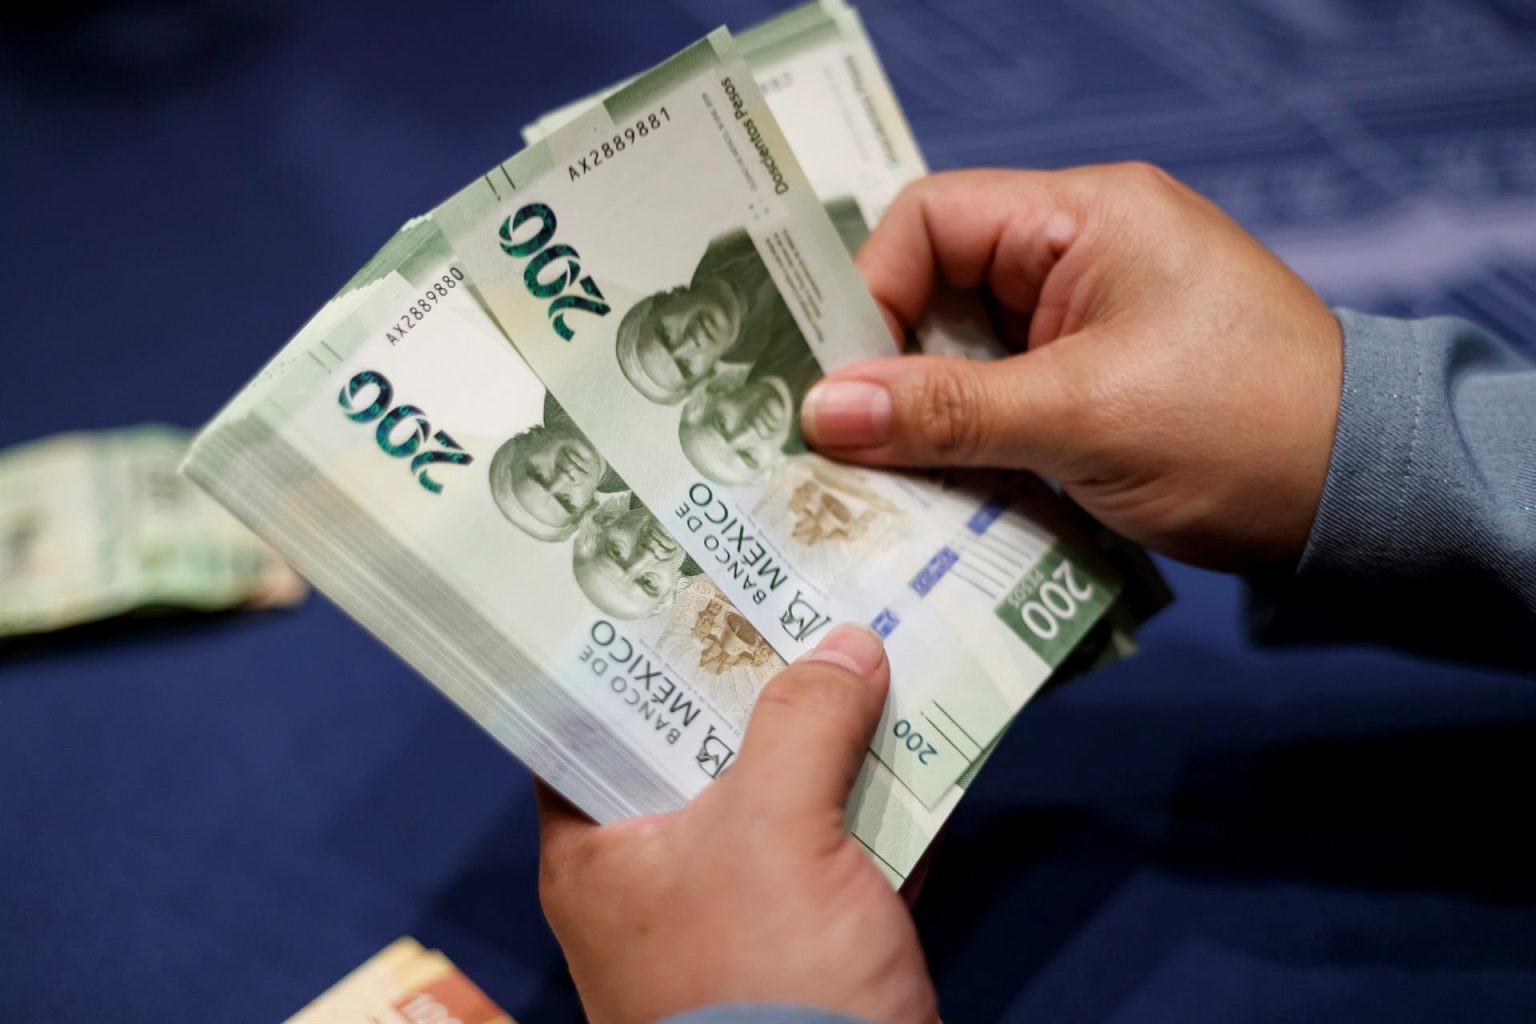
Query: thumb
pixel 811 726
pixel 1016 413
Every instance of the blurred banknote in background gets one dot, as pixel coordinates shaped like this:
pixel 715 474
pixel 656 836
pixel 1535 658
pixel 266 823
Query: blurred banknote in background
pixel 545 446
pixel 403 984
pixel 95 525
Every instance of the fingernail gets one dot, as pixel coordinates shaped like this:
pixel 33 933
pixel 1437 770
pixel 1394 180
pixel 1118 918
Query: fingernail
pixel 847 414
pixel 852 646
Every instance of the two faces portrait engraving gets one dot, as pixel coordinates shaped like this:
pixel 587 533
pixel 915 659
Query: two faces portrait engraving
pixel 551 483
pixel 727 348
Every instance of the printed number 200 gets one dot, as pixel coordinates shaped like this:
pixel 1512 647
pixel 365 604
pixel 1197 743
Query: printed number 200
pixel 1057 601
pixel 913 741
pixel 387 433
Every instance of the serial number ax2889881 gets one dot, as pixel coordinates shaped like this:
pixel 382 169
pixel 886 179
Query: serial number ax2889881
pixel 623 137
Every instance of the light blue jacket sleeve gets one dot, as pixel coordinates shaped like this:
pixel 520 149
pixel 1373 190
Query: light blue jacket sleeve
pixel 1426 534
pixel 761 1013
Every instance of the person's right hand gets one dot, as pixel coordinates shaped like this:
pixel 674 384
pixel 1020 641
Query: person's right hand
pixel 1178 379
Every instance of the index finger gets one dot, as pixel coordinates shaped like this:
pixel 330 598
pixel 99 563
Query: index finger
pixel 1002 229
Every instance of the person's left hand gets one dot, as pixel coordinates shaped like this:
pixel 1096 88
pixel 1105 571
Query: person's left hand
pixel 753 892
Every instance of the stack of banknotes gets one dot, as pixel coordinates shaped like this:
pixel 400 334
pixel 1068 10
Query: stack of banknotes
pixel 545 445
pixel 403 984
pixel 96 525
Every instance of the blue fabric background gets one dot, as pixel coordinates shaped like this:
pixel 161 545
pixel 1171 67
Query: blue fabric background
pixel 215 820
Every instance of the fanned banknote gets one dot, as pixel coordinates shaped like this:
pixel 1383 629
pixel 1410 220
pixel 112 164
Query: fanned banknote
pixel 469 452
pixel 825 85
pixel 823 81
pixel 94 525
pixel 407 460
pixel 403 984
pixel 663 265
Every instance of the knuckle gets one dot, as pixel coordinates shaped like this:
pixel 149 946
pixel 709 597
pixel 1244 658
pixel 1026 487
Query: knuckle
pixel 947 413
pixel 1150 180
pixel 915 191
pixel 1144 174
pixel 935 186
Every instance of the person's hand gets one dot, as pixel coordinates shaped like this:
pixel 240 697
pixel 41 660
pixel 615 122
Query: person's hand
pixel 1179 380
pixel 752 892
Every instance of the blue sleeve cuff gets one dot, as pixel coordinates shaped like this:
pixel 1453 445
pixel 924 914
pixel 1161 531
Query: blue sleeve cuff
pixel 1425 536
pixel 1365 520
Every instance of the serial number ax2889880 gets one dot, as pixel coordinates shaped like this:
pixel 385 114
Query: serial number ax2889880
pixel 417 311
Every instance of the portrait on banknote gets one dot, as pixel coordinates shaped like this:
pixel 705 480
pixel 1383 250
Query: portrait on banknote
pixel 552 484
pixel 729 312
pixel 735 428
pixel 726 346
pixel 547 477
pixel 626 562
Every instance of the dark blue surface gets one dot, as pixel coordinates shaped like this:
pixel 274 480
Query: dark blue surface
pixel 215 821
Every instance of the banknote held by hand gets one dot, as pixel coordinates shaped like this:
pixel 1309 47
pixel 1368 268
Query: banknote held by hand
pixel 546 446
